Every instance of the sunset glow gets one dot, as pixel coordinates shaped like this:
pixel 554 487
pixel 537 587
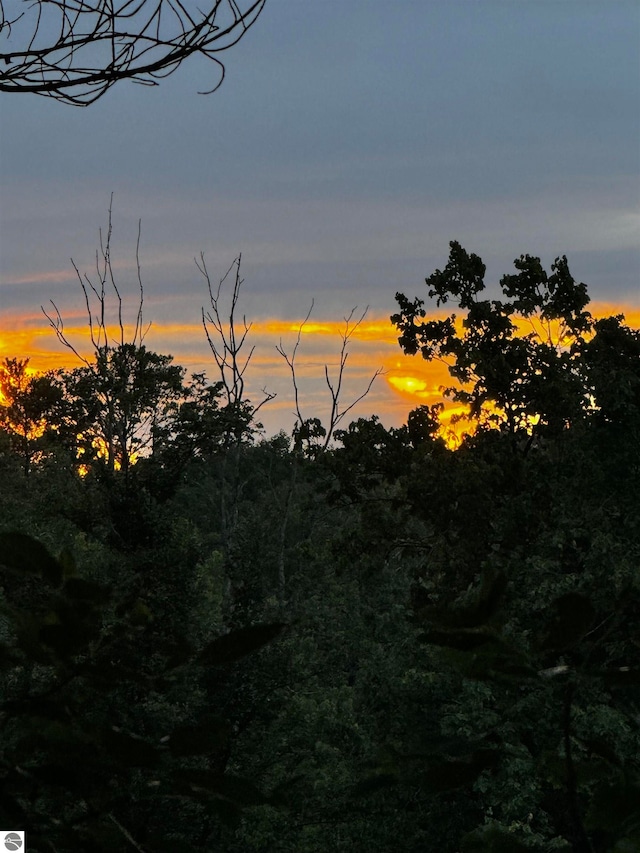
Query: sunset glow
pixel 406 381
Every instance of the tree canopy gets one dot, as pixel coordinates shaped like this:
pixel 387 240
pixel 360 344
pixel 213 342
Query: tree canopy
pixel 525 363
pixel 239 643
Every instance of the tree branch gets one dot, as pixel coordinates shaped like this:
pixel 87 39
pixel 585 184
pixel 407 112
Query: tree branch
pixel 75 50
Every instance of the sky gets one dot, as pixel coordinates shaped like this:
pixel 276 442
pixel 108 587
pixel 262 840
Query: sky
pixel 349 143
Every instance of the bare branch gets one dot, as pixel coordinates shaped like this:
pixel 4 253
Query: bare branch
pixel 227 340
pixel 336 414
pixel 290 360
pixel 335 389
pixel 75 50
pixel 126 833
pixel 97 319
pixel 57 324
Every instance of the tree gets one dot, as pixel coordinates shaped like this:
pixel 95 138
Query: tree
pixel 523 382
pixel 124 392
pixel 612 368
pixel 26 409
pixel 226 342
pixel 110 737
pixel 528 590
pixel 74 52
pixel 309 433
pixel 122 400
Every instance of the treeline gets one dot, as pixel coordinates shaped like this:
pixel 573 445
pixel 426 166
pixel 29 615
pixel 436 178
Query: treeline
pixel 212 640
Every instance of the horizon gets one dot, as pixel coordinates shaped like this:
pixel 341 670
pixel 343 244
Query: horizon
pixel 405 382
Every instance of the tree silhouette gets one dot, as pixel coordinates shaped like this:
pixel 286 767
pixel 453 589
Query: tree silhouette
pixel 522 379
pixel 75 50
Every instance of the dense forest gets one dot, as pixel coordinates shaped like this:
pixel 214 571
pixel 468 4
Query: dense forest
pixel 212 640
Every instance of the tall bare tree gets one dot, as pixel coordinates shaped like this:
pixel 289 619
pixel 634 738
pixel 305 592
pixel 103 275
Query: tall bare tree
pixel 226 338
pixel 123 386
pixel 75 50
pixel 310 432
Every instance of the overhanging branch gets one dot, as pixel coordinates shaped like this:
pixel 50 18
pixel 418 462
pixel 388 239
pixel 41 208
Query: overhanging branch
pixel 75 50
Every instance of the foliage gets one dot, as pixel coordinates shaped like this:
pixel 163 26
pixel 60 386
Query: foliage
pixel 459 667
pixel 121 401
pixel 107 731
pixel 28 405
pixel 517 381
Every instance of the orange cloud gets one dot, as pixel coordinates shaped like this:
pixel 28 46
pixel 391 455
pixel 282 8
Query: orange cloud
pixel 407 381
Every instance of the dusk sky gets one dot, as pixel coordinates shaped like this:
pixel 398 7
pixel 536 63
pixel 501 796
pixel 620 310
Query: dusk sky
pixel 349 143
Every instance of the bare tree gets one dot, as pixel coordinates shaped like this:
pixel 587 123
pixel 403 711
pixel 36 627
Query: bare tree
pixel 308 429
pixel 96 293
pixel 124 388
pixel 226 338
pixel 75 50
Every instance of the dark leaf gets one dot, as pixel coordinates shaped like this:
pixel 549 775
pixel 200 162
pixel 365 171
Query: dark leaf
pixel 200 739
pixel 8 657
pixel 630 844
pixel 462 639
pixel 79 589
pixel 487 600
pixel 22 553
pixel 482 604
pixel 238 644
pixel 621 676
pixel 460 773
pixel 493 839
pixel 165 844
pixel 235 789
pixel 128 750
pixel 574 616
pixel 68 563
pixel 374 784
pixel 615 807
pixel 68 639
pixel 600 747
pixel 67 775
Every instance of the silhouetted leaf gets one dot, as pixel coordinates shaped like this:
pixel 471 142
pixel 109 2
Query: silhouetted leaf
pixel 615 807
pixel 12 812
pixel 68 563
pixel 279 796
pixel 376 783
pixel 600 747
pixel 128 750
pixel 621 676
pixel 238 644
pixel 67 639
pixel 80 589
pixel 63 774
pixel 8 656
pixel 22 553
pixel 463 639
pixel 164 844
pixel 493 839
pixel 200 739
pixel 631 844
pixel 482 604
pixel 235 789
pixel 449 775
pixel 27 628
pixel 574 616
